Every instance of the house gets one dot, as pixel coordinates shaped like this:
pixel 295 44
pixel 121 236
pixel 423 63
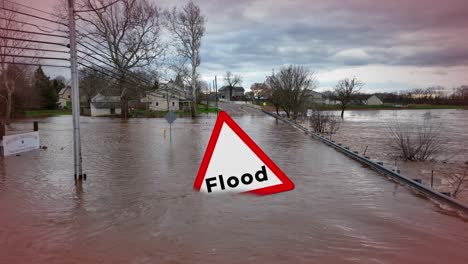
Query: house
pixel 104 105
pixel 315 97
pixel 237 92
pixel 332 102
pixel 374 100
pixel 168 97
pixel 64 96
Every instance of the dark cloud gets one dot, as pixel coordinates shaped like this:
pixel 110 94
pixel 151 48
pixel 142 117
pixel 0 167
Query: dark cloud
pixel 250 36
pixel 270 33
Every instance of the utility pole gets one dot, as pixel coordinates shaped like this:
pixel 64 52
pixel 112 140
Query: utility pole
pixel 75 93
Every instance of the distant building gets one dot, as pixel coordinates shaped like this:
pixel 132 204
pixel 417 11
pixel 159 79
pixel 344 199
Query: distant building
pixel 103 105
pixel 315 97
pixel 332 102
pixel 374 100
pixel 237 92
pixel 168 97
pixel 260 91
pixel 64 96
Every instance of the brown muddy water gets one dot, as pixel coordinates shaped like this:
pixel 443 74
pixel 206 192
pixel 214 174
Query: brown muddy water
pixel 138 206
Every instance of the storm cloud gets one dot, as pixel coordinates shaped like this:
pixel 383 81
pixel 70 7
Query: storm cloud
pixel 335 38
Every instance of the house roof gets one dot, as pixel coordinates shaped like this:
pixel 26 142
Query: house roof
pixel 99 98
pixel 235 88
pixel 374 96
pixel 63 90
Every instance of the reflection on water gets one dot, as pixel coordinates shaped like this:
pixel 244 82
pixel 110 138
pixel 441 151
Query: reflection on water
pixel 137 205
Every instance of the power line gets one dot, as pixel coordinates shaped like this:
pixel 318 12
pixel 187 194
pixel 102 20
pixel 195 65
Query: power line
pixel 51 30
pixel 36 57
pixel 32 32
pixel 97 9
pixel 32 8
pixel 112 66
pixel 37 64
pixel 37 17
pixel 104 46
pixel 35 41
pixel 35 49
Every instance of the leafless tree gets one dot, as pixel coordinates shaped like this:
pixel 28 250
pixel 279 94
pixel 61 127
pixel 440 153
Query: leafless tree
pixel 345 89
pixel 11 74
pixel 291 88
pixel 416 142
pixel 459 181
pixel 231 80
pixel 260 90
pixel 131 32
pixel 188 27
pixel 92 82
pixel 324 122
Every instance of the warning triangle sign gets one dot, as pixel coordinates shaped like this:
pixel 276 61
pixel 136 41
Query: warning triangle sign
pixel 234 163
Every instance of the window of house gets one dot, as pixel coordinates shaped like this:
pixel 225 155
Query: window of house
pixel 173 104
pixel 112 111
pixel 69 97
pixel 157 103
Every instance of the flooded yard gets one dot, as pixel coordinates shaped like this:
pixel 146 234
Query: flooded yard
pixel 138 205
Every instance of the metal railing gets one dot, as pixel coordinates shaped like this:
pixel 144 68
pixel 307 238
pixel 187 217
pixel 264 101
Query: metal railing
pixel 378 166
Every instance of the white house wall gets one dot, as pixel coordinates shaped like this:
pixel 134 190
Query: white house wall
pixel 161 105
pixel 103 111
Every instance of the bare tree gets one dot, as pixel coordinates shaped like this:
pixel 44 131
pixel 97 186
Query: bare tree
pixel 92 82
pixel 11 29
pixel 260 90
pixel 291 88
pixel 345 89
pixel 188 28
pixel 416 142
pixel 231 80
pixel 459 181
pixel 324 122
pixel 131 31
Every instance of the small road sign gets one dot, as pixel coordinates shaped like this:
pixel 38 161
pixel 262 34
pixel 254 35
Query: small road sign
pixel 170 117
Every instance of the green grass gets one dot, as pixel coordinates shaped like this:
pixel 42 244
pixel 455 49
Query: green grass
pixel 422 106
pixel 138 113
pixel 46 113
pixel 390 107
pixel 201 108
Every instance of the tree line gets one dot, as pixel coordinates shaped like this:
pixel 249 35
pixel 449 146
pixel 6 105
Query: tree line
pixel 33 89
pixel 125 47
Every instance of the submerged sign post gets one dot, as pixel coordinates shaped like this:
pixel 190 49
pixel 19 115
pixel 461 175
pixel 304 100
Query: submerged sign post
pixel 234 163
pixel 170 118
pixel 19 143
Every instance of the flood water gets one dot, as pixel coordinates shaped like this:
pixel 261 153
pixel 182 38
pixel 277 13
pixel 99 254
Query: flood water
pixel 138 206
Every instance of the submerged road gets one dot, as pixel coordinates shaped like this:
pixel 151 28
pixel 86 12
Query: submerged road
pixel 138 206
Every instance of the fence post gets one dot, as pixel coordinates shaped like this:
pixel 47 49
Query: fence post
pixel 432 178
pixel 2 133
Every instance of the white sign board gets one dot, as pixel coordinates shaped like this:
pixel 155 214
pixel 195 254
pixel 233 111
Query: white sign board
pixel 19 143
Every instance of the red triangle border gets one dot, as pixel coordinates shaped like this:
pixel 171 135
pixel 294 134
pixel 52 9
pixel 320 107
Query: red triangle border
pixel 223 117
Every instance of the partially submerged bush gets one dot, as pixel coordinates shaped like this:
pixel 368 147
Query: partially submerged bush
pixel 417 142
pixel 324 122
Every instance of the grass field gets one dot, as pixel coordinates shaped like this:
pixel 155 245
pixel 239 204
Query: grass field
pixel 46 113
pixel 391 107
pixel 201 109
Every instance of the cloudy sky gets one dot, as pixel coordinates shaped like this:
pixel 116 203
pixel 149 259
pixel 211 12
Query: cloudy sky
pixel 390 45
